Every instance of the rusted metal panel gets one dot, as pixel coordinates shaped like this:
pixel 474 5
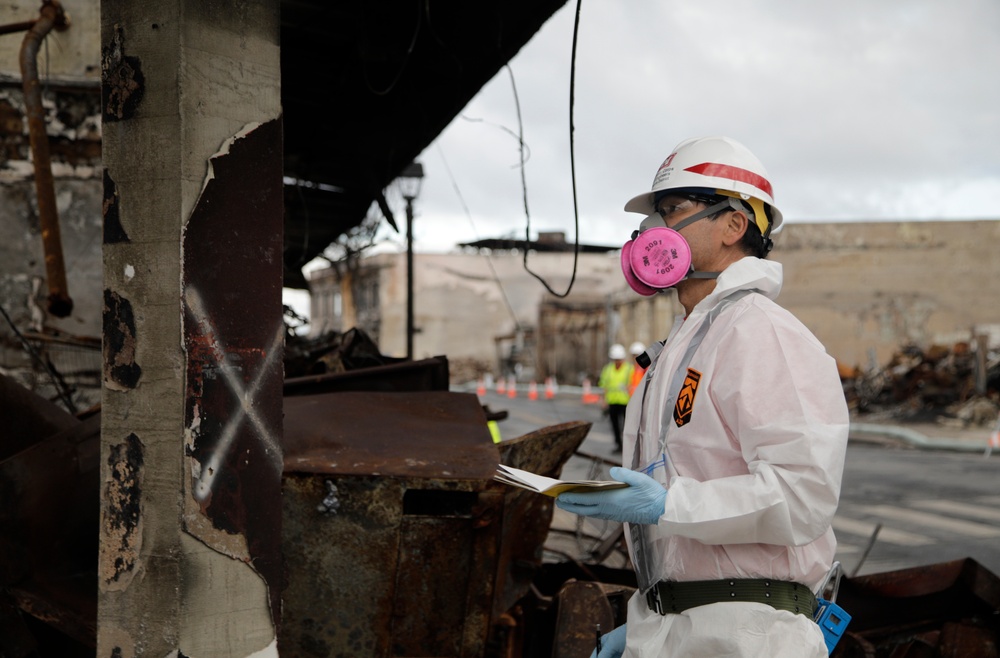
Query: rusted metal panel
pixel 433 573
pixel 946 608
pixel 526 515
pixel 959 640
pixel 546 450
pixel 424 375
pixel 392 521
pixel 479 624
pixel 341 586
pixel 584 611
pixel 430 434
pixel 28 418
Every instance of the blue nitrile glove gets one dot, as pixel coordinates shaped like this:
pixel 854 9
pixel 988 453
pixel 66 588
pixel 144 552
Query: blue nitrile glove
pixel 640 502
pixel 612 644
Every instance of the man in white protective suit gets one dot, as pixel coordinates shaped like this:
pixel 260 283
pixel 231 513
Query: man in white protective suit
pixel 735 439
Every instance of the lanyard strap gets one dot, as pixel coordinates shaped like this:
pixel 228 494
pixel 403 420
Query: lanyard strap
pixel 644 558
pixel 679 372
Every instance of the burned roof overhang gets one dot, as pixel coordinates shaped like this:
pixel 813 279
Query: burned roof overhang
pixel 510 244
pixel 367 86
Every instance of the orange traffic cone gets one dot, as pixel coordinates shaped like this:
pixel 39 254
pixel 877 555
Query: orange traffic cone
pixel 550 388
pixel 511 388
pixel 501 386
pixel 588 396
pixel 994 443
pixel 480 388
pixel 532 391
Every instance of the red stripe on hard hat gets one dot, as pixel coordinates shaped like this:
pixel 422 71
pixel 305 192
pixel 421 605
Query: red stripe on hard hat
pixel 733 173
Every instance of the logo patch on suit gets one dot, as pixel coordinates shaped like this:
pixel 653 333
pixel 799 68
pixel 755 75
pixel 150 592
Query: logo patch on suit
pixel 685 398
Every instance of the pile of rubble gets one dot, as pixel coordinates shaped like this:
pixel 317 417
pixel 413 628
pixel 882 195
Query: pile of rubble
pixel 960 382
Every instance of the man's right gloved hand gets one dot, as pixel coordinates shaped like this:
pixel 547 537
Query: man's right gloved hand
pixel 612 644
pixel 640 502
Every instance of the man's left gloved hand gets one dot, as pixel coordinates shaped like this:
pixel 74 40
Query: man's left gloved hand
pixel 640 502
pixel 612 644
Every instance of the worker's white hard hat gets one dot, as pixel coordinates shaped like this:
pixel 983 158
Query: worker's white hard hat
pixel 714 165
pixel 616 352
pixel 636 348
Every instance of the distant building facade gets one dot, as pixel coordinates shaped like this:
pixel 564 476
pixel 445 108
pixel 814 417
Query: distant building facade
pixel 479 309
pixel 864 289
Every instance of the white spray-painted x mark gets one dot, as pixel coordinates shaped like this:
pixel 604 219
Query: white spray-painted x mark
pixel 210 470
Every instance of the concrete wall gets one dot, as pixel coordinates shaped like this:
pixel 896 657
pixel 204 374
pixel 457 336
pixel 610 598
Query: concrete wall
pixel 71 56
pixel 190 530
pixel 465 302
pixel 864 287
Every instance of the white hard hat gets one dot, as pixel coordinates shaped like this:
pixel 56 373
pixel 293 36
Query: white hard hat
pixel 713 165
pixel 616 352
pixel 636 348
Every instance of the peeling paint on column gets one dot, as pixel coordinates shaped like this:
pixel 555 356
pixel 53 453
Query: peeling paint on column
pixel 122 82
pixel 114 232
pixel 121 372
pixel 121 519
pixel 233 334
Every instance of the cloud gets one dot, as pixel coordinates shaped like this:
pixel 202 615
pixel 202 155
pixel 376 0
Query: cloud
pixel 860 110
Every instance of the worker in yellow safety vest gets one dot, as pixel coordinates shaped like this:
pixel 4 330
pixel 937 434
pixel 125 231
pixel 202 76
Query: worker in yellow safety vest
pixel 615 379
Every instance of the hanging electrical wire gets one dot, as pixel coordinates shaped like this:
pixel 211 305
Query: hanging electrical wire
pixel 57 382
pixel 506 130
pixel 572 164
pixel 489 258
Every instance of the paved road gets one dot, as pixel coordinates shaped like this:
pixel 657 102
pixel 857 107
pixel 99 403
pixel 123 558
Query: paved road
pixel 929 505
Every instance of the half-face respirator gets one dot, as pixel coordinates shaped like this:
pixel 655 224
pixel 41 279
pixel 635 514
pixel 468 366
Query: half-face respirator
pixel 658 257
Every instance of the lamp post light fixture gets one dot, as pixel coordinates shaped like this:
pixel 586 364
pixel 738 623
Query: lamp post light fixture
pixel 409 185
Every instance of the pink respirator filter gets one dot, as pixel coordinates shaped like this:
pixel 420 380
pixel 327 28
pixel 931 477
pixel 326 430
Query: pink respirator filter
pixel 658 258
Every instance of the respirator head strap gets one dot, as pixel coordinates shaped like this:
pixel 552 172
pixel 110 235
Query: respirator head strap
pixel 727 204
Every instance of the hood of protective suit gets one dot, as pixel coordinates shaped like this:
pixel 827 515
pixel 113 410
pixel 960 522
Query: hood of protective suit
pixel 748 273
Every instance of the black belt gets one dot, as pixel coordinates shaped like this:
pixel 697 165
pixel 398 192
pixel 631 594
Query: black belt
pixel 669 597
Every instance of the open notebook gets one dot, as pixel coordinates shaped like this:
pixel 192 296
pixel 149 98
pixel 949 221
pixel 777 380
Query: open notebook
pixel 550 486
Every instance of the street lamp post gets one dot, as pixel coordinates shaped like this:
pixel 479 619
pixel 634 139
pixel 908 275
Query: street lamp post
pixel 409 182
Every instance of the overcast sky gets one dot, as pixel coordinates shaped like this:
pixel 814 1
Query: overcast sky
pixel 859 109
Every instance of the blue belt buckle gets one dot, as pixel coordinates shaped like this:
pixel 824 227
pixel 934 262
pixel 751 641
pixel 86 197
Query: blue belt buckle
pixel 831 618
pixel 833 621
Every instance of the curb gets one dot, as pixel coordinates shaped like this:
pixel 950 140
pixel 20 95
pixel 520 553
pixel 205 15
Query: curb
pixel 914 438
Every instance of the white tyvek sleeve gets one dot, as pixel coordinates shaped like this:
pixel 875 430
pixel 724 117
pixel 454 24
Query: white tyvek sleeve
pixel 780 400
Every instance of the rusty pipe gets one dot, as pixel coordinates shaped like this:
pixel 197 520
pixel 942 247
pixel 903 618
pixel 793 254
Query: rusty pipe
pixel 16 27
pixel 52 17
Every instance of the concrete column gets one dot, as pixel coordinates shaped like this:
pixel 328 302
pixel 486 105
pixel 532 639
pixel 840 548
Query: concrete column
pixel 191 466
